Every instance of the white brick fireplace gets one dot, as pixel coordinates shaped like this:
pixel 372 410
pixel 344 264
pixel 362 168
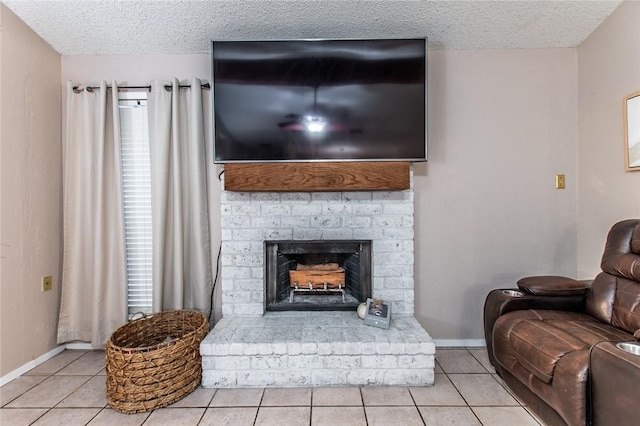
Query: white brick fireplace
pixel 251 347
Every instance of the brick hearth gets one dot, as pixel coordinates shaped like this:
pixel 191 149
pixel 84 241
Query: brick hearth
pixel 316 349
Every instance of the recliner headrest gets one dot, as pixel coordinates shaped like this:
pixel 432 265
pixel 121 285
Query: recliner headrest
pixel 635 241
pixel 621 255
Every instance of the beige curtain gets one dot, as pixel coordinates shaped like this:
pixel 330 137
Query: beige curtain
pixel 182 277
pixel 94 284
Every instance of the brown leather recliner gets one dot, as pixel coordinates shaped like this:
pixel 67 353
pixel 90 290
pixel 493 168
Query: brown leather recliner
pixel 555 341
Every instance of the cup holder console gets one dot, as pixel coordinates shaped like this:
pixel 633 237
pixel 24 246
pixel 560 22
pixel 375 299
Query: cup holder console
pixel 632 348
pixel 513 293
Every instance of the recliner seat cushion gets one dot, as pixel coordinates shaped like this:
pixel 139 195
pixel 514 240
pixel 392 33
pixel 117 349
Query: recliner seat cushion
pixel 548 351
pixel 539 338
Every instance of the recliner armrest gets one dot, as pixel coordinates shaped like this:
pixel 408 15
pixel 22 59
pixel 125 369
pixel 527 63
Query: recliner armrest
pixel 614 378
pixel 549 285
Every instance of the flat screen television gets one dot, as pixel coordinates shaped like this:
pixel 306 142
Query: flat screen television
pixel 320 100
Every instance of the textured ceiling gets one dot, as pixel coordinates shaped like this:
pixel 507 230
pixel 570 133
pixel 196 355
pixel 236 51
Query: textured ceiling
pixel 84 27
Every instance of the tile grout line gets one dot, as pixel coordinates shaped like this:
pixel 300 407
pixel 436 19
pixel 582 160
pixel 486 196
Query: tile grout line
pixel 258 409
pixel 458 390
pixel 71 375
pixel 364 409
pixel 18 396
pixel 94 416
pixel 311 407
pixel 488 372
pixel 415 404
pixel 520 403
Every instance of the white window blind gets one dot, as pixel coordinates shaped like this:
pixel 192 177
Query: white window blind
pixel 136 182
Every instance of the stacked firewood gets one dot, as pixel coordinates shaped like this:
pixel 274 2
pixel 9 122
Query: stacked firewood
pixel 317 277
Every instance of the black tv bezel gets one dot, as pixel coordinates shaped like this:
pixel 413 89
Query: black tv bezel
pixel 322 160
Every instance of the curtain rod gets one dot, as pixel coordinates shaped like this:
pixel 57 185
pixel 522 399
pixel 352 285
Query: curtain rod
pixel 167 87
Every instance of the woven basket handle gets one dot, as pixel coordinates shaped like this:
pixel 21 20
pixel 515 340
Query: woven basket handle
pixel 134 318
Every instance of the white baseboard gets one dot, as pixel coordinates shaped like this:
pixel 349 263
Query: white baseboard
pixel 29 365
pixel 460 343
pixel 36 362
pixel 79 346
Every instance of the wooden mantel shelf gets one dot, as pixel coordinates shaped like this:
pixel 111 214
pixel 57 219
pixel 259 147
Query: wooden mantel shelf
pixel 310 177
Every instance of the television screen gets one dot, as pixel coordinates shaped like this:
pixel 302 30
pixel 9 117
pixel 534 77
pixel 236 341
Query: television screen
pixel 319 100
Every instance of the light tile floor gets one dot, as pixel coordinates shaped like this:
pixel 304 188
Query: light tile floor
pixel 69 390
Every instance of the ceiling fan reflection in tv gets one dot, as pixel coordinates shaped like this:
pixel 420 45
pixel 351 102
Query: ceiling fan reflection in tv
pixel 315 122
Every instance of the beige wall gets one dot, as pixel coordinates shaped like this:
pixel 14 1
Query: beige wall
pixel 608 70
pixel 30 193
pixel 501 124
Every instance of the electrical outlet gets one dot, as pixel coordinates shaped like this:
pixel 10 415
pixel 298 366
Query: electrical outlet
pixel 47 283
pixel 560 182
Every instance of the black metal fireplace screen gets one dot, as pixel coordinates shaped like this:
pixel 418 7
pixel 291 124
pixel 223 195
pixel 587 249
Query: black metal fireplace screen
pixel 351 256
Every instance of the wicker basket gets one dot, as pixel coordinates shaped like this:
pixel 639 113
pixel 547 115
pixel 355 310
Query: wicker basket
pixel 155 360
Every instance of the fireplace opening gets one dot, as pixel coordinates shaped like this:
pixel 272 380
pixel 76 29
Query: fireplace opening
pixel 321 275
